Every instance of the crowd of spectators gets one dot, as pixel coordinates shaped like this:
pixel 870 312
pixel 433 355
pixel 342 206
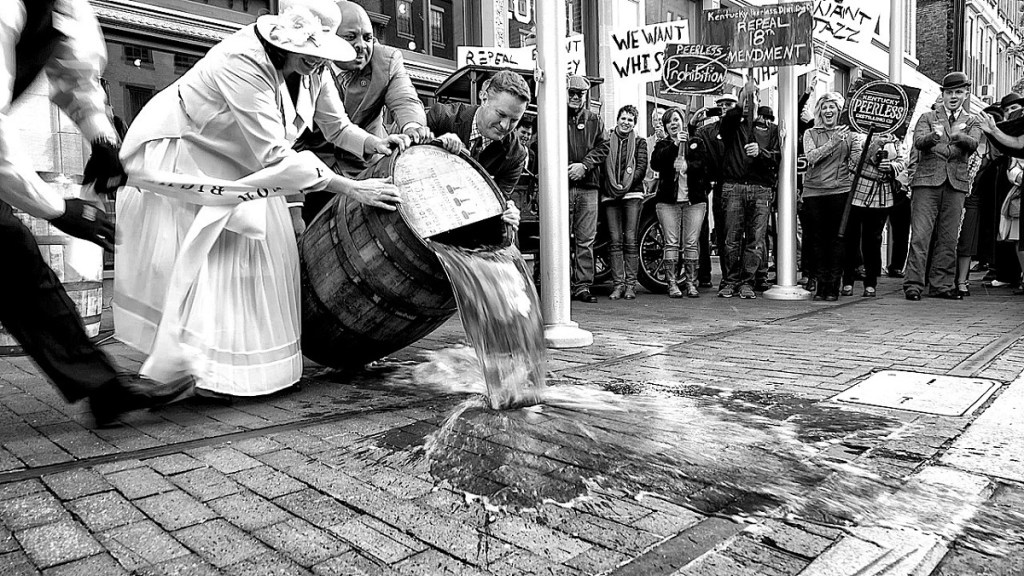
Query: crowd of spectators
pixel 948 196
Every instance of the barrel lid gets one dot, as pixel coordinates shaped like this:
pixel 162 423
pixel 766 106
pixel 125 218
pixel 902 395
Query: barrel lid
pixel 442 191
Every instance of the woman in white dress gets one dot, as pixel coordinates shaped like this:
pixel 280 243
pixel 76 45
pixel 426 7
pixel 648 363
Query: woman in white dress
pixel 211 291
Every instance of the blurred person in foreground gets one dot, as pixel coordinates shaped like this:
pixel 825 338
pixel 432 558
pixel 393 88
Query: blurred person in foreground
pixel 945 140
pixel 374 81
pixel 211 291
pixel 62 39
pixel 622 191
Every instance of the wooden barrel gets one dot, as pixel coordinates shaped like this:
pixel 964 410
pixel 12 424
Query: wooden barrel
pixel 78 264
pixel 370 284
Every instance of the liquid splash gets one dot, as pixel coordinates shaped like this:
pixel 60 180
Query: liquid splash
pixel 500 313
pixel 590 448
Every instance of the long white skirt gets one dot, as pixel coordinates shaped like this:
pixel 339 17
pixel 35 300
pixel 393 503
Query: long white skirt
pixel 239 318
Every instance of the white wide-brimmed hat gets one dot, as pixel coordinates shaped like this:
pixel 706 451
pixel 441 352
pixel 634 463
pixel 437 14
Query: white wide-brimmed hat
pixel 307 27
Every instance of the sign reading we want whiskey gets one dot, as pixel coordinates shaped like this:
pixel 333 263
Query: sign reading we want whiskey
pixel 773 35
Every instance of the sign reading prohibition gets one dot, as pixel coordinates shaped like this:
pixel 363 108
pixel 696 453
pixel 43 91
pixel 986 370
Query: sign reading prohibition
pixel 772 35
pixel 882 106
pixel 694 69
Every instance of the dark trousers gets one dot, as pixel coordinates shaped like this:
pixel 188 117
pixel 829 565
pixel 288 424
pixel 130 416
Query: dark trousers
pixel 824 213
pixel 36 310
pixel 704 241
pixel 936 212
pixel 899 226
pixel 747 210
pixel 864 238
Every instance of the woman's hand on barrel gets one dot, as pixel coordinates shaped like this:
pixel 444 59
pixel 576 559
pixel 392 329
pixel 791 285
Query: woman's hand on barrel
pixel 511 215
pixel 377 192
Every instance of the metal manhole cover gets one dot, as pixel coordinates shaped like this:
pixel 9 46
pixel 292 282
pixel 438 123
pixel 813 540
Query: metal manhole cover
pixel 916 392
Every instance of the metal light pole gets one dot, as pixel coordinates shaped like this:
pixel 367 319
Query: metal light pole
pixel 553 150
pixel 896 41
pixel 785 287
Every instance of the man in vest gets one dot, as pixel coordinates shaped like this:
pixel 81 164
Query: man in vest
pixel 374 80
pixel 944 138
pixel 62 38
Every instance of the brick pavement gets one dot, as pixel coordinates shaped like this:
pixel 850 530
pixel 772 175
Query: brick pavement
pixel 725 459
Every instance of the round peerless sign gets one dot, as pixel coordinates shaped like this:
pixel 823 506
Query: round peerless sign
pixel 882 106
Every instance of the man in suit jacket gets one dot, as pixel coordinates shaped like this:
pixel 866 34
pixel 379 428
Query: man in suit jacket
pixel 487 131
pixel 374 80
pixel 945 139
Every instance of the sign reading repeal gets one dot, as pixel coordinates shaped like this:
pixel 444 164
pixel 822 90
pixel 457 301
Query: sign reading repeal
pixel 524 58
pixel 694 69
pixel 882 106
pixel 638 53
pixel 772 35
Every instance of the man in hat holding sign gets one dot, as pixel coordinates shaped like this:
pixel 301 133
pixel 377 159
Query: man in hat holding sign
pixel 945 138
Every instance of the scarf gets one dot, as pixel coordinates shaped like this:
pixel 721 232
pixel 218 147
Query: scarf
pixel 620 174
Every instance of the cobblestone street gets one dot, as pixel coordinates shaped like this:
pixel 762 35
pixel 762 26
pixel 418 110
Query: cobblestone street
pixel 695 437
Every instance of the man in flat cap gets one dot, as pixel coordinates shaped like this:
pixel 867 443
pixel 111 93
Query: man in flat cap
pixel 945 139
pixel 588 148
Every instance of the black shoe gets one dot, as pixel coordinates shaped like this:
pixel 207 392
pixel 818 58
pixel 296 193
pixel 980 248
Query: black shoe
pixel 913 295
pixel 895 274
pixel 950 295
pixel 812 285
pixel 705 284
pixel 762 286
pixel 132 393
pixel 585 296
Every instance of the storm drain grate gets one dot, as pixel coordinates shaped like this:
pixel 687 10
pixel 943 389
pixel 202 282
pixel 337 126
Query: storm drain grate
pixel 917 392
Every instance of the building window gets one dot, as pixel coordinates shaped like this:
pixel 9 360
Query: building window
pixel 137 96
pixel 574 16
pixel 437 27
pixel 138 56
pixel 403 9
pixel 184 62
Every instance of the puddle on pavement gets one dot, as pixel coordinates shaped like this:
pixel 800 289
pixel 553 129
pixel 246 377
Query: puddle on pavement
pixel 743 455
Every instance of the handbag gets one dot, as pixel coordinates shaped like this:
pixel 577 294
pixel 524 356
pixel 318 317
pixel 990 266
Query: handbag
pixel 1009 217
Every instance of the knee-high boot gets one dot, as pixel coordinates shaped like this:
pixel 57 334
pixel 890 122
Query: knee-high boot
pixel 670 278
pixel 690 278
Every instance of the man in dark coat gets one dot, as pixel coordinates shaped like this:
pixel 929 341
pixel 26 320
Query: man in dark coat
pixel 487 131
pixel 61 37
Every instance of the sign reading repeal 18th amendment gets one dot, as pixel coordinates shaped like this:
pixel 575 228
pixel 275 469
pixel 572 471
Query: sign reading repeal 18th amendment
pixel 884 107
pixel 773 35
pixel 524 58
pixel 638 53
pixel 694 69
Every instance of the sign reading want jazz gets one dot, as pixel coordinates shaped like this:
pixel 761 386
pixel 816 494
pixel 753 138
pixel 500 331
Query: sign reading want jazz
pixel 773 35
pixel 694 69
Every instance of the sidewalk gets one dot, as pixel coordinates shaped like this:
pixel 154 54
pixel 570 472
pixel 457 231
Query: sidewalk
pixel 695 437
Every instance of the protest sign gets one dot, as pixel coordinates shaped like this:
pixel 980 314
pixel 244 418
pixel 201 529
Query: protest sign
pixel 846 20
pixel 773 35
pixel 883 107
pixel 524 58
pixel 694 69
pixel 638 52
